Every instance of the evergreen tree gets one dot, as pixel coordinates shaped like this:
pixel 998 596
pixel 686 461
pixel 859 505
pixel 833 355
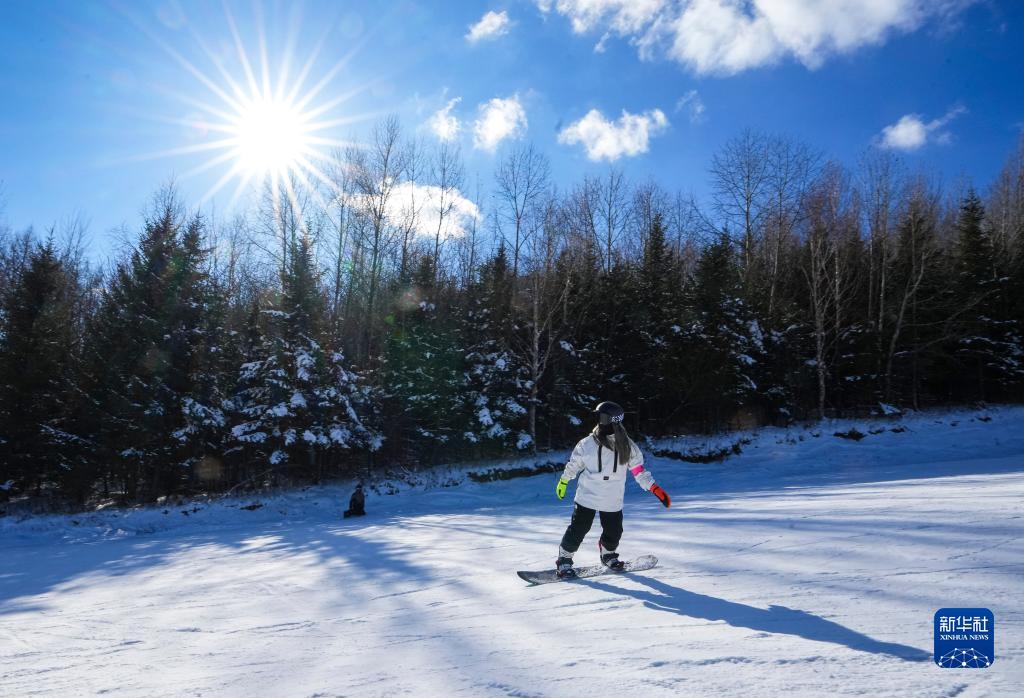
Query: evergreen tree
pixel 126 366
pixel 493 381
pixel 974 254
pixel 195 375
pixel 298 407
pixel 243 346
pixel 988 342
pixel 147 370
pixel 422 373
pixel 572 385
pixel 657 312
pixel 36 349
pixel 614 356
pixel 721 342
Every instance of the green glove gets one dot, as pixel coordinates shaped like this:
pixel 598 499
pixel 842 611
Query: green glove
pixel 560 488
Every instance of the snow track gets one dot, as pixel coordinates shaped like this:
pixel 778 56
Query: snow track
pixel 802 567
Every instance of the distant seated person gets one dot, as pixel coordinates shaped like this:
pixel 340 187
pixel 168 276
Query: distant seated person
pixel 357 505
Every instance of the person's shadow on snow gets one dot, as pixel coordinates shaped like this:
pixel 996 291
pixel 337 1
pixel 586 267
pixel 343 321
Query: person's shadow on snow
pixel 774 619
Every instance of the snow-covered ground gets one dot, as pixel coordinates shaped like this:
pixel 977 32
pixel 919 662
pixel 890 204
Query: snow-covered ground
pixel 808 565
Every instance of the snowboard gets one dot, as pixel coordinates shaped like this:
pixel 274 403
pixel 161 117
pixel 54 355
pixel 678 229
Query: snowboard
pixel 644 562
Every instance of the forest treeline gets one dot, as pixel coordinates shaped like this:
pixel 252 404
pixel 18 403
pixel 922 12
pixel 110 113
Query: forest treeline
pixel 376 316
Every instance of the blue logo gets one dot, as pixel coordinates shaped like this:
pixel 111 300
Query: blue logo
pixel 964 638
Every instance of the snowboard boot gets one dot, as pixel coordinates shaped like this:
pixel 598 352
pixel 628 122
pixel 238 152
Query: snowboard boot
pixel 564 567
pixel 610 559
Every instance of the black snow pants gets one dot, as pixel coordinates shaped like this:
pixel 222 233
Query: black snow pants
pixel 582 519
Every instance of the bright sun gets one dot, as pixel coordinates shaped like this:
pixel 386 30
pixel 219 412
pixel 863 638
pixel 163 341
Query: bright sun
pixel 269 127
pixel 271 137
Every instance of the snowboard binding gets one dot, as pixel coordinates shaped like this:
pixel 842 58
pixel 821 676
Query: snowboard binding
pixel 563 567
pixel 610 559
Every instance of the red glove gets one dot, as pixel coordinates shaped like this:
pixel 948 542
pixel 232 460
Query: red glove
pixel 661 495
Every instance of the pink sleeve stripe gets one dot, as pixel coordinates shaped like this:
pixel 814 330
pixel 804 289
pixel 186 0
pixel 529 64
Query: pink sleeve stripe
pixel 637 469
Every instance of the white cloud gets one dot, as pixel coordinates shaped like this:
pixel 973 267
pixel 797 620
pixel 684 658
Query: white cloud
pixel 421 204
pixel 491 26
pixel 729 36
pixel 692 103
pixel 497 120
pixel 624 17
pixel 911 132
pixel 609 140
pixel 444 125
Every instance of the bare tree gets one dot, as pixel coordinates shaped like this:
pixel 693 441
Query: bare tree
pixel 80 277
pixel 546 292
pixel 343 214
pixel 522 179
pixel 1006 212
pixel 468 243
pixel 409 212
pixel 580 215
pixel 650 201
pixel 831 220
pixel 285 211
pixel 447 174
pixel 376 172
pixel 612 212
pixel 740 172
pixel 688 228
pixel 881 179
pixel 918 255
pixel 791 168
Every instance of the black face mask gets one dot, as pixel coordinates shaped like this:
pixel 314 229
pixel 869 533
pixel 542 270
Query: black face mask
pixel 605 429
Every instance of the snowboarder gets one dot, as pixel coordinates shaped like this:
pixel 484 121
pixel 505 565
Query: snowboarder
pixel 601 459
pixel 357 504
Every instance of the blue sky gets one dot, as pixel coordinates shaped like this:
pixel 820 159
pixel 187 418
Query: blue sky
pixel 94 91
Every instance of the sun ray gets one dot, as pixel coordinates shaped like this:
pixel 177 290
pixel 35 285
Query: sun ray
pixel 240 48
pixel 293 199
pixel 275 194
pixel 181 150
pixel 209 164
pixel 330 74
pixel 315 171
pixel 300 79
pixel 236 88
pixel 243 184
pixel 330 141
pixel 189 66
pixel 210 109
pixel 336 101
pixel 344 121
pixel 308 186
pixel 289 49
pixel 220 184
pixel 187 121
pixel 261 39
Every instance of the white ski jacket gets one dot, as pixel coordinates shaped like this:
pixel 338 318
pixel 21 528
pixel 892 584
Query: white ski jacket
pixel 602 477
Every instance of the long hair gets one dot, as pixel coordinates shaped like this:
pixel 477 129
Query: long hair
pixel 623 444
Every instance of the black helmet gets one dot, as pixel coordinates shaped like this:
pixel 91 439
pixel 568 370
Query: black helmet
pixel 609 413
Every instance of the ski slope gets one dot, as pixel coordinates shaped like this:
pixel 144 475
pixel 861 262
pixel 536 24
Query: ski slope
pixel 809 565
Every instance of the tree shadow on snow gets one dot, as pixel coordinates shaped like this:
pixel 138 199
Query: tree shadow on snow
pixel 774 619
pixel 29 571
